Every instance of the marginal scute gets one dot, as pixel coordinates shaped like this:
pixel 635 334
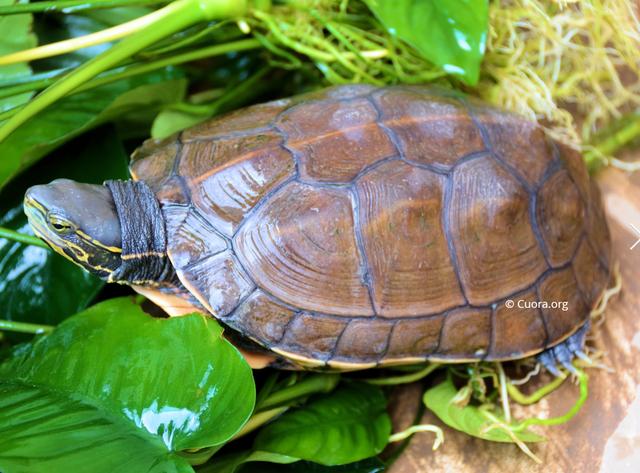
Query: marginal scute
pixel 592 277
pixel 301 247
pixel 414 338
pixel 566 310
pixel 218 281
pixel 466 334
pixel 363 341
pixel 598 231
pixel 431 129
pixel 518 330
pixel 401 219
pixel 561 217
pixel 334 140
pixel 255 117
pixel 497 251
pixel 173 191
pixel 520 143
pixel 343 92
pixel 262 317
pixel 574 163
pixel 229 176
pixel 313 336
pixel 153 161
pixel 191 237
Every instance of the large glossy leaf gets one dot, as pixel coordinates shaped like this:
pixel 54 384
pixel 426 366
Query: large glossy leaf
pixel 468 418
pixel 345 426
pixel 37 285
pixel 450 33
pixel 43 431
pixel 114 383
pixel 15 35
pixel 140 97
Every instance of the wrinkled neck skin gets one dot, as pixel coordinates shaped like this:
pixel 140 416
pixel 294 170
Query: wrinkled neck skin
pixel 144 239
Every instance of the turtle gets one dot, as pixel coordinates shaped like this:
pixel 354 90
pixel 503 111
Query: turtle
pixel 353 227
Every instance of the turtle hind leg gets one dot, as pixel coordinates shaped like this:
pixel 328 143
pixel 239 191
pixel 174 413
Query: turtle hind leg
pixel 564 353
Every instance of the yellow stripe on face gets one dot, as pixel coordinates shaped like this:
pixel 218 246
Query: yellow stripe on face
pixel 113 249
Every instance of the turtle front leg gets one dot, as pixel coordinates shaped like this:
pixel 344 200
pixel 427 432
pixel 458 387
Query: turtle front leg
pixel 564 353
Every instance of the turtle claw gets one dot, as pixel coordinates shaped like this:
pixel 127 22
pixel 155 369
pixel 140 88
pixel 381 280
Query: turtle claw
pixel 564 353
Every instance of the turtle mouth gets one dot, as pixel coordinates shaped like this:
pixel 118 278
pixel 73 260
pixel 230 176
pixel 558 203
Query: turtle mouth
pixel 36 215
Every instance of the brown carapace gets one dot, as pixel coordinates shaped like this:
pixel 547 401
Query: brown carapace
pixel 361 226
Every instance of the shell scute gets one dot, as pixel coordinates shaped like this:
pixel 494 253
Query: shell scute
pixel 497 250
pixel 414 338
pixel 466 334
pixel 433 129
pixel 261 316
pixel 518 330
pixel 520 143
pixel 301 245
pixel 555 290
pixel 334 140
pixel 400 210
pixel 227 177
pixel 561 217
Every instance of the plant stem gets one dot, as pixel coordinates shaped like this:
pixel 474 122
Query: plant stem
pixel 166 21
pixel 260 419
pixel 405 378
pixel 129 71
pixel 22 238
pixel 24 327
pixel 414 429
pixel 72 6
pixel 73 44
pixel 625 130
pixel 317 383
pixel 584 392
pixel 536 396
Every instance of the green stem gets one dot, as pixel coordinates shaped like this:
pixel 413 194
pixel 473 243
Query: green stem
pixel 584 392
pixel 625 130
pixel 536 396
pixel 72 6
pixel 317 383
pixel 22 238
pixel 405 378
pixel 167 21
pixel 24 327
pixel 129 71
pixel 259 419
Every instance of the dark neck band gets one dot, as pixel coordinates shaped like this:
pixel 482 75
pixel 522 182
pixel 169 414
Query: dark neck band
pixel 144 239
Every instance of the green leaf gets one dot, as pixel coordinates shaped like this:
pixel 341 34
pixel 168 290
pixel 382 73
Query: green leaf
pixel 345 426
pixel 113 385
pixel 16 36
pixel 137 99
pixel 37 285
pixel 170 121
pixel 450 33
pixel 47 432
pixel 469 418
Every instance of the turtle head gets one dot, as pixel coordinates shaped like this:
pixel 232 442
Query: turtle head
pixel 79 221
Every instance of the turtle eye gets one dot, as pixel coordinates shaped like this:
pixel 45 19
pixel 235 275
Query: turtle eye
pixel 60 225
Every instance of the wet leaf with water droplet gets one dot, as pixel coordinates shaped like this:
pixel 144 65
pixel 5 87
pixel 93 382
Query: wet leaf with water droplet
pixel 450 33
pixel 121 391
